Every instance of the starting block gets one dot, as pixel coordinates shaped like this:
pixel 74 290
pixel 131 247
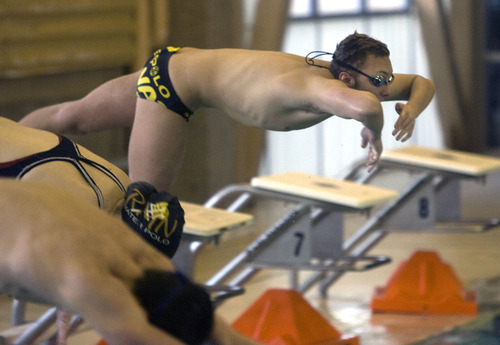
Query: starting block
pixel 204 225
pixel 435 204
pixel 429 202
pixel 315 239
pixel 43 330
pixel 311 236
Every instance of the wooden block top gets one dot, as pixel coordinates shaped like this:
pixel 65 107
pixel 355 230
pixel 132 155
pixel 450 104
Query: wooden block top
pixel 446 160
pixel 205 221
pixel 340 192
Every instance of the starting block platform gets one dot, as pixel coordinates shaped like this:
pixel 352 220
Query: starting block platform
pixel 337 192
pixel 451 161
pixel 203 223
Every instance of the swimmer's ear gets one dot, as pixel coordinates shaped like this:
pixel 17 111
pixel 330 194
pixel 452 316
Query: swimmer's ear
pixel 346 78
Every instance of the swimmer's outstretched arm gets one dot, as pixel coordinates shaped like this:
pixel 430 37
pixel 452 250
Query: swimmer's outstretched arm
pixel 418 92
pixel 361 106
pixel 365 107
pixel 72 254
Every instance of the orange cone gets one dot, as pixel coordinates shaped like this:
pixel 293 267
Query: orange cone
pixel 284 317
pixel 424 284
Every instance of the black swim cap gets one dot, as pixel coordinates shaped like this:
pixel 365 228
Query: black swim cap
pixel 156 216
pixel 176 305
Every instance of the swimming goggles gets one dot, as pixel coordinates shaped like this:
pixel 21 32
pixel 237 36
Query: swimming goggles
pixel 376 80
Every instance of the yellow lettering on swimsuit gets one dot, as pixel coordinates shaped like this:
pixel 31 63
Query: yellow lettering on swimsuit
pixel 147 91
pixel 155 79
pixel 162 88
pixel 143 87
pixel 154 60
pixel 164 91
pixel 158 214
pixel 142 78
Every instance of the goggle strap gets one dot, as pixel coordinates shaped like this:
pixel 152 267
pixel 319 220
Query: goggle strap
pixel 310 60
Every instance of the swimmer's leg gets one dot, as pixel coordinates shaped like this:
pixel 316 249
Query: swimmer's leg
pixel 110 105
pixel 157 144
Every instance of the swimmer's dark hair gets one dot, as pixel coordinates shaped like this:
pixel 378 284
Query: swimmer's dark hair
pixel 176 305
pixel 354 49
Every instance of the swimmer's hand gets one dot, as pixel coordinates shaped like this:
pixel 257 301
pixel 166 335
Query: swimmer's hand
pixel 403 128
pixel 373 140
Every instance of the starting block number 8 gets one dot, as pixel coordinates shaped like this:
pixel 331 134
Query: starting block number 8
pixel 423 208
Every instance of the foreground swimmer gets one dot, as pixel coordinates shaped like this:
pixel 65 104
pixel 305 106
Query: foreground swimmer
pixel 57 247
pixel 35 155
pixel 65 252
pixel 263 89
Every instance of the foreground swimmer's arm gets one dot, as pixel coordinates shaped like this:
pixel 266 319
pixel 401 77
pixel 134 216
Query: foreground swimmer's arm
pixel 70 253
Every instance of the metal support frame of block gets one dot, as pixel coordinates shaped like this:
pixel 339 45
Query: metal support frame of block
pixel 40 326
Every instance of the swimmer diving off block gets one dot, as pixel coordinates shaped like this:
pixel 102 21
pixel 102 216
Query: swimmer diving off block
pixel 262 89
